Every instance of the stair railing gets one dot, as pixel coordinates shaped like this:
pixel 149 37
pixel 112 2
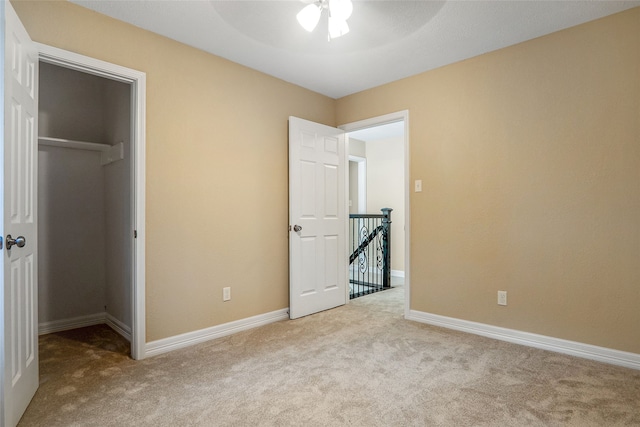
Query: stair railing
pixel 370 236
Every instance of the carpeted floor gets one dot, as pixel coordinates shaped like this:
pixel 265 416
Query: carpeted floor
pixel 357 365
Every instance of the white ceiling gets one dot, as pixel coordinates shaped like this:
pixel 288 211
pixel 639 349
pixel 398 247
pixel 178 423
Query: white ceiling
pixel 389 40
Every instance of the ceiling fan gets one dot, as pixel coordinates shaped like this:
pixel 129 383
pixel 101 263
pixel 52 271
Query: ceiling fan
pixel 338 12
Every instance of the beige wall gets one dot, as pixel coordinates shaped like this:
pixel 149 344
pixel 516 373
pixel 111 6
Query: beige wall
pixel 530 162
pixel 216 168
pixel 529 156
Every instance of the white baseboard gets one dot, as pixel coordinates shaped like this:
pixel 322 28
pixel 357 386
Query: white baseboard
pixel 586 351
pixel 83 321
pixel 73 323
pixel 397 273
pixel 165 345
pixel 118 326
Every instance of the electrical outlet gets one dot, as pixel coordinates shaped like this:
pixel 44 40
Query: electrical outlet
pixel 226 294
pixel 502 297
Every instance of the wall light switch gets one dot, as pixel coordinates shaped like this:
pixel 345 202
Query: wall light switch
pixel 502 297
pixel 418 185
pixel 226 294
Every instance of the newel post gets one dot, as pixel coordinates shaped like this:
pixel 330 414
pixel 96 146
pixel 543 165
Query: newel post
pixel 386 247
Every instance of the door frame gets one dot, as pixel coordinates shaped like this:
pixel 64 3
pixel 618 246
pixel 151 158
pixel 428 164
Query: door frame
pixel 137 80
pixel 383 120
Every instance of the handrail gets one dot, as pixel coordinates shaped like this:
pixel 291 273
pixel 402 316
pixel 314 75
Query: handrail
pixel 367 215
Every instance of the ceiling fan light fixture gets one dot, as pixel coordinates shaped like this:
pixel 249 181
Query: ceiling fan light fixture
pixel 337 27
pixel 341 9
pixel 309 16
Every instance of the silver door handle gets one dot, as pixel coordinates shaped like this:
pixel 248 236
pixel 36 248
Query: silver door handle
pixel 18 241
pixel 297 228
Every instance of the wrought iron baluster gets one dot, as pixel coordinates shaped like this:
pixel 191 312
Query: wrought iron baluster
pixel 370 259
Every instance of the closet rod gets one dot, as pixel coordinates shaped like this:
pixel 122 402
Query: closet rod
pixel 68 143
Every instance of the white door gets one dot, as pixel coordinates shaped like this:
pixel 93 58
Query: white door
pixel 318 218
pixel 19 199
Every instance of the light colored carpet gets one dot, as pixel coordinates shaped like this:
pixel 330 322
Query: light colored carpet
pixel 357 365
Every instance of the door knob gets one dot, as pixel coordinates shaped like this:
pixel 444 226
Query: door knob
pixel 297 228
pixel 18 241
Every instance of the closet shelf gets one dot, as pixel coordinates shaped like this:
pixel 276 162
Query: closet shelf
pixel 109 153
pixel 69 143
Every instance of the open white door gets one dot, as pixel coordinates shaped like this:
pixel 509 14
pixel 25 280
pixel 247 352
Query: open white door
pixel 20 264
pixel 317 217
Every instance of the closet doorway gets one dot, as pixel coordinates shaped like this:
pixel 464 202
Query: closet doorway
pixel 89 247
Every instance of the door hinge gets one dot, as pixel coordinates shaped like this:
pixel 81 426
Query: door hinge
pixel 135 234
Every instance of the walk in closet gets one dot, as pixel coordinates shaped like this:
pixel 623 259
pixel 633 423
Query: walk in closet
pixel 84 201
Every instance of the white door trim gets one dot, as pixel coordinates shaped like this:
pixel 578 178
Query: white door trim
pixel 137 79
pixel 382 120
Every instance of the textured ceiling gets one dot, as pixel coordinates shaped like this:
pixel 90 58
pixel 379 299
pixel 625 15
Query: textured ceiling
pixel 389 40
